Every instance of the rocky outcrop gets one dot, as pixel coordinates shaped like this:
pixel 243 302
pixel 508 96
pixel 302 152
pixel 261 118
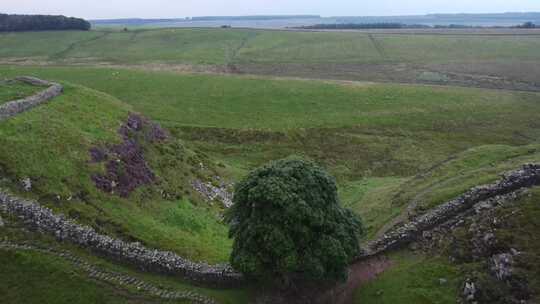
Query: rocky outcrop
pixel 213 193
pixel 166 262
pixel 15 107
pixel 399 236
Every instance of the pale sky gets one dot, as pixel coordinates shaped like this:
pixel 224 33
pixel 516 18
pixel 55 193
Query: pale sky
pixel 100 9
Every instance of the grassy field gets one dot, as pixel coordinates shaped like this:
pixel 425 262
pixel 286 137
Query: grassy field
pixel 12 90
pixel 222 46
pixel 470 59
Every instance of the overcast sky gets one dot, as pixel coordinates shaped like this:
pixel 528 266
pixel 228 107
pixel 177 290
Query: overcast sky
pixel 97 9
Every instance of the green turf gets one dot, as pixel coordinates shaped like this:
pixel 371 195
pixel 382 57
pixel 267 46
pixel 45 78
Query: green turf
pixel 240 102
pixel 13 90
pixel 50 144
pixel 41 45
pixel 219 46
pixel 29 277
pixel 412 279
pixel 448 48
pixel 305 47
pixel 21 272
pixel 450 178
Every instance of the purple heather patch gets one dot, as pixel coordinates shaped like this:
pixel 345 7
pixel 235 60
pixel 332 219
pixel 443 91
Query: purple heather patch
pixel 126 168
pixel 97 155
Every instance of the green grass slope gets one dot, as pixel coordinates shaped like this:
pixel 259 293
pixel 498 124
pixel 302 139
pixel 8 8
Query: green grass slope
pixel 412 279
pixel 28 277
pixel 379 140
pixel 12 90
pixel 50 145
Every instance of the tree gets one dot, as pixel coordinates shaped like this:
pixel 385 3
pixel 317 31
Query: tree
pixel 287 224
pixel 41 23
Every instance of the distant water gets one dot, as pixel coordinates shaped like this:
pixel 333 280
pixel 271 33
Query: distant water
pixel 507 19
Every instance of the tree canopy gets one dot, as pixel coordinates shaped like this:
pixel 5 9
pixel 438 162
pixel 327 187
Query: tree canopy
pixel 287 224
pixel 41 23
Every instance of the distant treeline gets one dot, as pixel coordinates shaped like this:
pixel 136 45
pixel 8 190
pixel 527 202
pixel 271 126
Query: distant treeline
pixel 41 23
pixel 390 25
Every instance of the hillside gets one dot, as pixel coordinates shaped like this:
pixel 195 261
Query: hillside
pixel 57 148
pixel 117 186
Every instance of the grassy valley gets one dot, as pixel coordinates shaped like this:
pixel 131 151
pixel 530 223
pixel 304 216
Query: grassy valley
pixel 217 103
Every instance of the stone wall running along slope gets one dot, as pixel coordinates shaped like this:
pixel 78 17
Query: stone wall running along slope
pixel 527 176
pixel 15 107
pixel 43 219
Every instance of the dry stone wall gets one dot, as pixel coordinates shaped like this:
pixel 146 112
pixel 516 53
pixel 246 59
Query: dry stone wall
pixel 114 278
pixel 15 107
pixel 527 176
pixel 44 220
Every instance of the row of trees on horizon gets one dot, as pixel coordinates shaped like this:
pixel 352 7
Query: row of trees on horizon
pixel 14 23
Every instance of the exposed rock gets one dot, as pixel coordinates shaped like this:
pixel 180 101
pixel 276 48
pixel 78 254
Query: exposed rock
pixel 26 184
pixel 469 291
pixel 213 193
pixel 501 265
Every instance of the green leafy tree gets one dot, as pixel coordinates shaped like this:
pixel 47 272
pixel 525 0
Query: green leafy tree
pixel 287 224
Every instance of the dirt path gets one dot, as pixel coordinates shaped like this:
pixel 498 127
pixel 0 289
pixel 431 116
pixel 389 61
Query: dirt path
pixel 360 273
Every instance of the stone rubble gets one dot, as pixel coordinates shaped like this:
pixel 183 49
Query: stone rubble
pixel 213 193
pixel 26 184
pixel 44 220
pixel 15 107
pixel 469 291
pixel 501 265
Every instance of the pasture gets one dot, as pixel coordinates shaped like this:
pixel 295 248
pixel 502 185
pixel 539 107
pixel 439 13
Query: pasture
pixel 490 59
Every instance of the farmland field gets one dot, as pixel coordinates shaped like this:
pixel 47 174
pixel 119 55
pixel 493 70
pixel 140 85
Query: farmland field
pixel 404 122
pixel 487 60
